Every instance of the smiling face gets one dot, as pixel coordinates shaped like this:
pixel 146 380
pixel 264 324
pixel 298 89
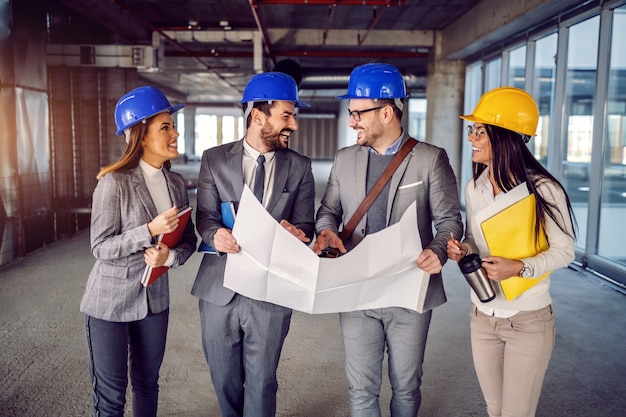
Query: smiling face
pixel 159 143
pixel 278 126
pixel 369 129
pixel 481 144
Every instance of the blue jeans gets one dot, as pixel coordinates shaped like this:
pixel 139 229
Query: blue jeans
pixel 112 345
pixel 366 333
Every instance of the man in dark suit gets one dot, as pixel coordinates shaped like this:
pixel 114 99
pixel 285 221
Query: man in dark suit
pixel 376 93
pixel 243 338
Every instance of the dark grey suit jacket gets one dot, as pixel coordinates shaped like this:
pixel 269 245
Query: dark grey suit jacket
pixel 121 210
pixel 424 176
pixel 221 179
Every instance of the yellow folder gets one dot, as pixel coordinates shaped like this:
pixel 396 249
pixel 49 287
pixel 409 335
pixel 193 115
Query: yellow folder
pixel 511 234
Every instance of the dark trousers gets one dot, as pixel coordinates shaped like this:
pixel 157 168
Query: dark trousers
pixel 113 346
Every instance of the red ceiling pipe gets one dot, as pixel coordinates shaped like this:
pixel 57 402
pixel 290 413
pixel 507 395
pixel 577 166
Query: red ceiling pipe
pixel 256 12
pixel 387 3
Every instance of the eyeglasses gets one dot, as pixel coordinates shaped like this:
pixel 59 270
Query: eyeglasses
pixel 471 130
pixel 356 114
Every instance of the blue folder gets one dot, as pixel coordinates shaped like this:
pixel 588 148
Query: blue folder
pixel 228 220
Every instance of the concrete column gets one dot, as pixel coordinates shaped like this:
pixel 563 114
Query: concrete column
pixel 444 94
pixel 190 130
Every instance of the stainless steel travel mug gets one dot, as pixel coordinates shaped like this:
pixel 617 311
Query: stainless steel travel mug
pixel 475 275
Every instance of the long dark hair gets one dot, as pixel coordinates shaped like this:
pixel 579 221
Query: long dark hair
pixel 512 164
pixel 133 151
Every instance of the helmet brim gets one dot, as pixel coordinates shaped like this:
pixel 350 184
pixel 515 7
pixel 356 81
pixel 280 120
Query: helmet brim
pixel 470 118
pixel 296 103
pixel 352 96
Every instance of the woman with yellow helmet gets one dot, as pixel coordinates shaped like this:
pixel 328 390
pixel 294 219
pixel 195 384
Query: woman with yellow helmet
pixel 512 339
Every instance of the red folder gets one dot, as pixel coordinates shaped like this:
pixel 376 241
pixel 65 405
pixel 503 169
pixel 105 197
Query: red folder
pixel 170 239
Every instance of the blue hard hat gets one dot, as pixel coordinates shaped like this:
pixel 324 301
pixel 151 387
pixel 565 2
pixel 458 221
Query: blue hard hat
pixel 375 81
pixel 139 104
pixel 269 86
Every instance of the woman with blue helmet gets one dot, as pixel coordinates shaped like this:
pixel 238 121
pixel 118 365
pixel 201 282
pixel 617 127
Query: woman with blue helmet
pixel 136 200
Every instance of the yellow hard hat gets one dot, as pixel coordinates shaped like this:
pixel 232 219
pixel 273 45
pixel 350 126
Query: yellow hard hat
pixel 507 107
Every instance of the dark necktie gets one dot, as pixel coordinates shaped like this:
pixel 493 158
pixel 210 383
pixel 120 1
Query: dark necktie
pixel 259 178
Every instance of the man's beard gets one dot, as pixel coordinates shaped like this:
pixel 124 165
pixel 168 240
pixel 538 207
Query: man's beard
pixel 272 140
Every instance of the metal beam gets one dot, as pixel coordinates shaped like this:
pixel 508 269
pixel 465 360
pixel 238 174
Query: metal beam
pixel 110 15
pixel 387 3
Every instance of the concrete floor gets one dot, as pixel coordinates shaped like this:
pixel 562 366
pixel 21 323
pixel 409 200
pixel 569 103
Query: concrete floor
pixel 43 367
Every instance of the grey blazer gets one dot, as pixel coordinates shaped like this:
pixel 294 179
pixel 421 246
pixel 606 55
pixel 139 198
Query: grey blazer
pixel 121 209
pixel 424 176
pixel 221 179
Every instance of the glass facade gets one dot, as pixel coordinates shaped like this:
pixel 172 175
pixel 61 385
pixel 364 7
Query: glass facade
pixel 576 140
pixel 544 76
pixel 517 67
pixel 612 226
pixel 493 73
pixel 216 129
pixel 417 118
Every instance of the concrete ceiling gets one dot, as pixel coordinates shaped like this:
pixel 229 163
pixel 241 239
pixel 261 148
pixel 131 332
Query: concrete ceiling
pixel 206 50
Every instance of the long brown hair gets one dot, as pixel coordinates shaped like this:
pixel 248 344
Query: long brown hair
pixel 133 151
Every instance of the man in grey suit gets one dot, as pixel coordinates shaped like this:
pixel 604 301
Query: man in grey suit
pixel 376 93
pixel 243 338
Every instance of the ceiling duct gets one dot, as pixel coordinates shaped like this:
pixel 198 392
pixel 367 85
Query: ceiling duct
pixel 120 56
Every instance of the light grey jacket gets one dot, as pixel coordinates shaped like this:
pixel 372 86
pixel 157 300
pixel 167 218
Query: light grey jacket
pixel 121 210
pixel 424 176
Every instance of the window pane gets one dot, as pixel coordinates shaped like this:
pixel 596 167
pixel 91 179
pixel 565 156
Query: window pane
pixel 613 204
pixel 473 91
pixel 493 74
pixel 228 129
pixel 517 67
pixel 417 118
pixel 206 132
pixel 180 128
pixel 580 86
pixel 543 92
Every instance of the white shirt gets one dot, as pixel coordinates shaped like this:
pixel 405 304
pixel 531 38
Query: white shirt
pixel 560 254
pixel 157 186
pixel 249 165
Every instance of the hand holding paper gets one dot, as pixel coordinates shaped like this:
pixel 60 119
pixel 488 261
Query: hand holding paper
pixel 379 272
pixel 294 231
pixel 429 262
pixel 327 239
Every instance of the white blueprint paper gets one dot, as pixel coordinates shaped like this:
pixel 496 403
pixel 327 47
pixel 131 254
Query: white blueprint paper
pixel 274 266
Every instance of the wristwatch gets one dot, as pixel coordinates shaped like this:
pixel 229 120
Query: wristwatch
pixel 526 271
